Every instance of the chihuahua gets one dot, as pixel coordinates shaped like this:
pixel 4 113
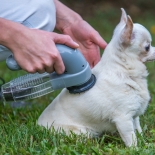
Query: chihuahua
pixel 120 94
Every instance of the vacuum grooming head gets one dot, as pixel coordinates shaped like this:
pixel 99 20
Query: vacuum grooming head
pixel 83 87
pixel 77 78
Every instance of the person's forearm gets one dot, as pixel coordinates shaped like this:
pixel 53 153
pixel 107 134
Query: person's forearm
pixel 7 30
pixel 65 16
pixel 4 30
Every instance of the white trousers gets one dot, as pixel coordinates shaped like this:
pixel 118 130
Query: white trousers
pixel 38 14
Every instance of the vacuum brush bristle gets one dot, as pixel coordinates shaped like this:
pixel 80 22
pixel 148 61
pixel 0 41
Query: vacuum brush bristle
pixel 83 87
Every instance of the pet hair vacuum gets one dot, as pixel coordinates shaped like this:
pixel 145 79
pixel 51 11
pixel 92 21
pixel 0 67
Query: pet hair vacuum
pixel 77 78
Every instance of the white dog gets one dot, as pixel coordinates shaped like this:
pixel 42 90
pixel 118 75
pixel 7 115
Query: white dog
pixel 120 94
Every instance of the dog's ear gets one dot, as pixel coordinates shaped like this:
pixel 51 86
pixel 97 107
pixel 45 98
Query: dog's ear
pixel 122 22
pixel 126 33
pixel 123 17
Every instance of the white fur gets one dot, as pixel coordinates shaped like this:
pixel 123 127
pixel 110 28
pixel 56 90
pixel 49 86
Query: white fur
pixel 120 94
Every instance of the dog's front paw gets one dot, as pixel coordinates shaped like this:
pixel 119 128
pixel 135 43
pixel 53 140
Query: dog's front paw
pixel 131 142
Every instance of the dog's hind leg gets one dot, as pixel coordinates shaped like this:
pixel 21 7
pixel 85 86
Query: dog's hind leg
pixel 137 125
pixel 77 129
pixel 125 128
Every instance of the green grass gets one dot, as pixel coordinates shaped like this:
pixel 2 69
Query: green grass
pixel 20 134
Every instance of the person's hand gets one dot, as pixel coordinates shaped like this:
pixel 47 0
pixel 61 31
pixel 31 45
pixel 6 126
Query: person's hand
pixel 35 50
pixel 88 39
pixel 70 23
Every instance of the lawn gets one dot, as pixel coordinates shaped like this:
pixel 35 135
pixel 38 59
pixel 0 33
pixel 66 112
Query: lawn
pixel 20 134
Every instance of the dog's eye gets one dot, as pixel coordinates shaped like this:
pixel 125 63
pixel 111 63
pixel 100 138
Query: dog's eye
pixel 147 48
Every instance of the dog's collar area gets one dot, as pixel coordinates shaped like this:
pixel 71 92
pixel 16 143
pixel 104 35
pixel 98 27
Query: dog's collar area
pixel 84 87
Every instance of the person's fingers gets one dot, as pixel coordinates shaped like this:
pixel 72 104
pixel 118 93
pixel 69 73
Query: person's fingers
pixel 55 64
pixel 41 71
pixel 98 40
pixel 49 67
pixel 65 39
pixel 36 67
pixel 59 66
pixel 51 60
pixel 96 56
